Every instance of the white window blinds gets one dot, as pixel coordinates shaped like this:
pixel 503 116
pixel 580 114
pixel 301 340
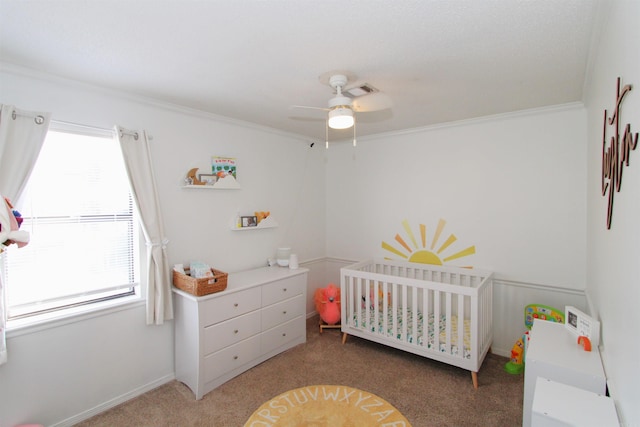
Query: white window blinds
pixel 78 209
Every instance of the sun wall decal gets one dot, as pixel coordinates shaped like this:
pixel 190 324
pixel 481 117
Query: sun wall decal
pixel 435 254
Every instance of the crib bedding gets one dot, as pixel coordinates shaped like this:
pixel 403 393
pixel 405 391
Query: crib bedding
pixel 379 328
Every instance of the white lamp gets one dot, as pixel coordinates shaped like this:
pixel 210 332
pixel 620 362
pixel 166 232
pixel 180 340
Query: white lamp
pixel 341 117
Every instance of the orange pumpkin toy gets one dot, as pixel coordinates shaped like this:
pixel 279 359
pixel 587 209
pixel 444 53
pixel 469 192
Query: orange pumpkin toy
pixel 328 304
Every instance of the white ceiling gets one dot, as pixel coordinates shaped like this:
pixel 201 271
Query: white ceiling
pixel 438 61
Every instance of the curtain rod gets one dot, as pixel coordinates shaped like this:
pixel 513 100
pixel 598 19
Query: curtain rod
pixel 130 133
pixel 134 134
pixel 39 118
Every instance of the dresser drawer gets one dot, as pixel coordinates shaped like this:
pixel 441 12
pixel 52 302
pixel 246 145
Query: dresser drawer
pixel 282 312
pixel 283 289
pixel 280 335
pixel 223 361
pixel 225 307
pixel 224 334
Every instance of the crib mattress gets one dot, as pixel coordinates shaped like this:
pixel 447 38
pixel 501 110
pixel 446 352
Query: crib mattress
pixel 419 337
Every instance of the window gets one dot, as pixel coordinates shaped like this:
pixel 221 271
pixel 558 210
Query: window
pixel 78 209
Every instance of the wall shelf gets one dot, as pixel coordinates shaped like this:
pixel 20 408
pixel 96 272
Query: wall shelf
pixel 226 183
pixel 268 222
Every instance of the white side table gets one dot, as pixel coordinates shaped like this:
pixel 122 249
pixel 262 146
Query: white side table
pixel 554 353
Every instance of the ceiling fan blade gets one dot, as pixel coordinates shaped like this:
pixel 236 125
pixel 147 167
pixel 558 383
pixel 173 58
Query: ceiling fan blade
pixel 307 113
pixel 307 119
pixel 373 102
pixel 310 108
pixel 374 116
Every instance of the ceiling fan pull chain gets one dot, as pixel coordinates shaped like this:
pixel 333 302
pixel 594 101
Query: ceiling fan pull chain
pixel 354 131
pixel 326 133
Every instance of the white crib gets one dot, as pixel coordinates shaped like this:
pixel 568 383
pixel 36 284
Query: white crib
pixel 403 304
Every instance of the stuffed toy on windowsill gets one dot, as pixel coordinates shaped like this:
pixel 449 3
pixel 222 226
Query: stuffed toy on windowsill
pixel 10 221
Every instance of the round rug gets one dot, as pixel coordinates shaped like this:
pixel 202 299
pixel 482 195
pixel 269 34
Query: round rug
pixel 326 406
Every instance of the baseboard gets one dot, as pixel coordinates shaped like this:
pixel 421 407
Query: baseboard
pixel 504 352
pixel 114 402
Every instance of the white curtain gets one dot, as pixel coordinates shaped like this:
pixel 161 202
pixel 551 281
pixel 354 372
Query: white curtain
pixel 21 136
pixel 137 159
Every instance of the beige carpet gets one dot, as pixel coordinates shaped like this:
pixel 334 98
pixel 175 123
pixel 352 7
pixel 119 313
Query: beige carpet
pixel 326 406
pixel 426 392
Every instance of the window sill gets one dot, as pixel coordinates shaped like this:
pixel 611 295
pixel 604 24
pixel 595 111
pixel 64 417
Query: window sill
pixel 59 318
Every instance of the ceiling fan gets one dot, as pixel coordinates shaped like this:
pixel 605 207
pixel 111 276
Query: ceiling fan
pixel 348 100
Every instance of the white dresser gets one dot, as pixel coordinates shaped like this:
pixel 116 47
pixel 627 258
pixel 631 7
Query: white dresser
pixel 261 313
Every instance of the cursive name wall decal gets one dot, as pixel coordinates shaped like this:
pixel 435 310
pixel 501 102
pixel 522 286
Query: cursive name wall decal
pixel 615 152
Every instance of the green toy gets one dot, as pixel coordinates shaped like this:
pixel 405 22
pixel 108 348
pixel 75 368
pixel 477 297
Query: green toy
pixel 531 312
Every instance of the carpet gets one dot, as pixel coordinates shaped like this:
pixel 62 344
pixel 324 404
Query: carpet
pixel 326 406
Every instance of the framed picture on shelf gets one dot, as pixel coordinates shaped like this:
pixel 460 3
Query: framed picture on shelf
pixel 208 179
pixel 249 221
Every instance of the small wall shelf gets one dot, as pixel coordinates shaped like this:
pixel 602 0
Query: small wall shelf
pixel 226 183
pixel 268 222
pixel 210 187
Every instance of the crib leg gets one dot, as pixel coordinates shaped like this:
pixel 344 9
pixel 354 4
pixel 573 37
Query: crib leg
pixel 344 337
pixel 474 378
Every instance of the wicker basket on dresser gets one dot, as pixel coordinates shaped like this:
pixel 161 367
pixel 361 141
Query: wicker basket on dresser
pixel 221 335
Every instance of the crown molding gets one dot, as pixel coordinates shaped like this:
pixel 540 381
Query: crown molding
pixel 28 72
pixel 151 102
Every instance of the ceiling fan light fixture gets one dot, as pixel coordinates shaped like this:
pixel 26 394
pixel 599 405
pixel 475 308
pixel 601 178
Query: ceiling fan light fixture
pixel 341 118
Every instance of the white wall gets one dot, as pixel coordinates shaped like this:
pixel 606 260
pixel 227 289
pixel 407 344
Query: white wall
pixel 68 371
pixel 71 370
pixel 613 273
pixel 513 186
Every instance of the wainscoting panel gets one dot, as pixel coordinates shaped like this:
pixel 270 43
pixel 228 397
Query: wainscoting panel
pixel 509 300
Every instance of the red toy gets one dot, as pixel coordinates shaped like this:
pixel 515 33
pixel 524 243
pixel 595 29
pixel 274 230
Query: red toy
pixel 328 304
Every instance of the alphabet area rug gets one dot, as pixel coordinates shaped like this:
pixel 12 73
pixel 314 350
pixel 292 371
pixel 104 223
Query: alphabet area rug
pixel 327 406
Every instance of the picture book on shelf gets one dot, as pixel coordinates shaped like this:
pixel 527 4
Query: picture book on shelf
pixel 224 166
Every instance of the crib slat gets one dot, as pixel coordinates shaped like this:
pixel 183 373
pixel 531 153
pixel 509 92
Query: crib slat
pixel 385 307
pixel 448 322
pixel 425 318
pixel 367 302
pixel 475 323
pixel 395 308
pixel 414 312
pixel 461 317
pixel 353 306
pixel 436 320
pixel 403 290
pixel 358 307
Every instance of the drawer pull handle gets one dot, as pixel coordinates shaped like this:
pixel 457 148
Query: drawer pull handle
pixel 235 305
pixel 284 312
pixel 284 334
pixel 235 332
pixel 235 357
pixel 284 290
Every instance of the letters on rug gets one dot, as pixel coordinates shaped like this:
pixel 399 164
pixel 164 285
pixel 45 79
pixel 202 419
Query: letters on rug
pixel 327 405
